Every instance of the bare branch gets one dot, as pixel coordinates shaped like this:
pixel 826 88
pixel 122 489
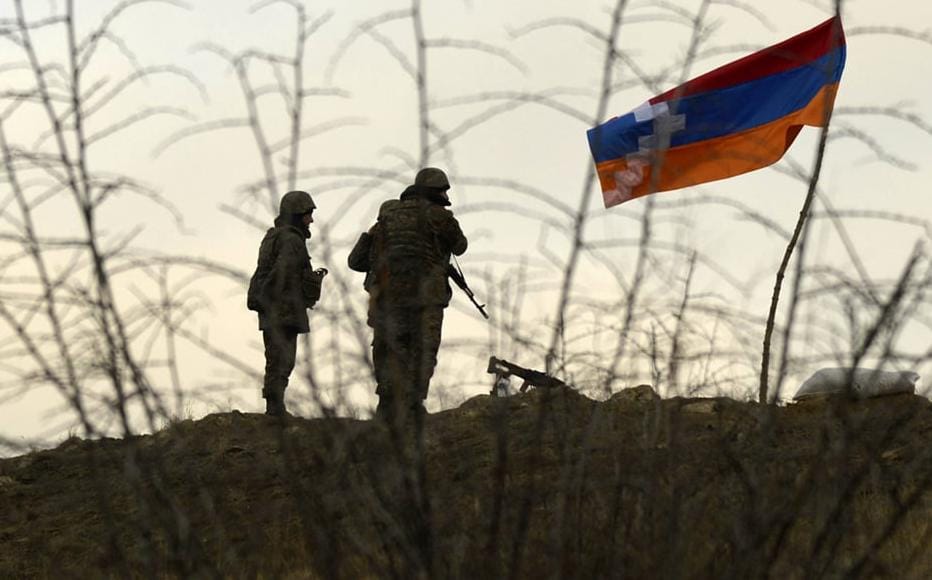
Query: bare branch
pixel 892 112
pixel 897 31
pixel 319 129
pixel 395 52
pixel 88 46
pixel 200 129
pixel 846 131
pixel 361 29
pixel 478 46
pixel 135 119
pixel 750 10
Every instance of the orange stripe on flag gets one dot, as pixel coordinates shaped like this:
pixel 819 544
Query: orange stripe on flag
pixel 712 159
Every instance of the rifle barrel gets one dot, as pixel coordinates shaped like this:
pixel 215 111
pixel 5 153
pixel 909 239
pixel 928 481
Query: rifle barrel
pixel 460 281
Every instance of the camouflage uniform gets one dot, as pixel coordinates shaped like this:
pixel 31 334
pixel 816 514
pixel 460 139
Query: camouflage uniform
pixel 406 255
pixel 283 287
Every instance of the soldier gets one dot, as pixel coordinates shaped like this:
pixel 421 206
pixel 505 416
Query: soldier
pixel 283 287
pixel 405 256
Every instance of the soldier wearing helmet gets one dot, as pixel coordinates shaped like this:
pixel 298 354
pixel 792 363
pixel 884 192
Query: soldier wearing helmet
pixel 281 290
pixel 405 256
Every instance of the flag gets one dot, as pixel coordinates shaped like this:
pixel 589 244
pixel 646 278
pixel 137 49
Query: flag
pixel 737 118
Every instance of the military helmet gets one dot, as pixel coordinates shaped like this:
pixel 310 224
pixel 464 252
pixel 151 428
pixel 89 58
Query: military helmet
pixel 436 180
pixel 296 202
pixel 433 178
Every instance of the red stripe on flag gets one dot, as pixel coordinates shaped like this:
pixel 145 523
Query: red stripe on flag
pixel 791 53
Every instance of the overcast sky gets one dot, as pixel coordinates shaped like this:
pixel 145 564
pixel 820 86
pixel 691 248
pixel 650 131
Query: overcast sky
pixel 533 145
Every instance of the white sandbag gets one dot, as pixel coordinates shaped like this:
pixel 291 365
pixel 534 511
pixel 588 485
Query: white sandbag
pixel 865 383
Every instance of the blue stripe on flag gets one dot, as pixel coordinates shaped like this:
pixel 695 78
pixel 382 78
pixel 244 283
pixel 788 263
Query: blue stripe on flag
pixel 724 111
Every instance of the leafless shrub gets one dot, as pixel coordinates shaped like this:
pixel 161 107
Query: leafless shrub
pixel 97 317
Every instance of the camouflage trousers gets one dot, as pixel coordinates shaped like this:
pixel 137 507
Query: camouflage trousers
pixel 281 345
pixel 404 352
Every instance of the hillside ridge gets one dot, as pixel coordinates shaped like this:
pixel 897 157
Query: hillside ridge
pixel 548 483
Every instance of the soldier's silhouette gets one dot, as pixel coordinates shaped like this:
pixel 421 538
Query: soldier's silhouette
pixel 405 255
pixel 281 290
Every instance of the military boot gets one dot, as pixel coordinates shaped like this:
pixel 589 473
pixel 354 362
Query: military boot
pixel 386 408
pixel 274 400
pixel 275 406
pixel 272 406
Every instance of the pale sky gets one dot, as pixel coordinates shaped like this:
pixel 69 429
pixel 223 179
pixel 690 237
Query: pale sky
pixel 532 145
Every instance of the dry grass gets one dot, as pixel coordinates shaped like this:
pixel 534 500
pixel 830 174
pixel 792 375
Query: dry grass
pixel 531 486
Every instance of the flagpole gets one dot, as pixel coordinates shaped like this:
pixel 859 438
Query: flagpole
pixel 791 246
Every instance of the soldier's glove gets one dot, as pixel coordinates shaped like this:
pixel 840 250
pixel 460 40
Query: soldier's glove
pixel 316 280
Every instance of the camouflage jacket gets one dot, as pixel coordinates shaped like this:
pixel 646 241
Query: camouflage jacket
pixel 406 253
pixel 284 285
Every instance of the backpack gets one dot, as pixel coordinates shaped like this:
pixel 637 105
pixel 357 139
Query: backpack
pixel 268 250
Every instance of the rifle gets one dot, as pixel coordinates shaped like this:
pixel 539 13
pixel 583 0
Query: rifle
pixel 503 369
pixel 457 276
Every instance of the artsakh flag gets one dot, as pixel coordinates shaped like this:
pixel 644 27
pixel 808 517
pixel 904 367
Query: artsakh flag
pixel 737 118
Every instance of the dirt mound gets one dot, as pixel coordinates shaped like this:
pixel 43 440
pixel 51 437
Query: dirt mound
pixel 548 483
